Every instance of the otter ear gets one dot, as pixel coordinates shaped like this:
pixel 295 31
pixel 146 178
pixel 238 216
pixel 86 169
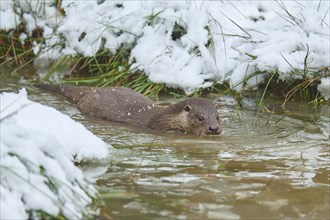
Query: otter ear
pixel 187 108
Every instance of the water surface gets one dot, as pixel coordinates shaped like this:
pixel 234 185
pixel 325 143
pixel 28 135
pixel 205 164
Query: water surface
pixel 265 165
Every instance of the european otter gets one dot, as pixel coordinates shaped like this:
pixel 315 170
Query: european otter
pixel 195 115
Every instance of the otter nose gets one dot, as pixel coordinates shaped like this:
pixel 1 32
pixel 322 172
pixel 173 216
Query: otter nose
pixel 214 130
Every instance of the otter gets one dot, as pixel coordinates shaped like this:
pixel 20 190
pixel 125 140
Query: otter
pixel 193 115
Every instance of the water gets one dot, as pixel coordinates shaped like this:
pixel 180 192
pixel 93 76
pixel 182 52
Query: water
pixel 264 166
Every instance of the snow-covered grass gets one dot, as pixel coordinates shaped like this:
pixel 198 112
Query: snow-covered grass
pixel 188 44
pixel 39 146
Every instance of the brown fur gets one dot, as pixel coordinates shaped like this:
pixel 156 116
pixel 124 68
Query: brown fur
pixel 195 115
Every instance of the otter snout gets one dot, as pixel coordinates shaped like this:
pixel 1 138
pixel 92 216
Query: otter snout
pixel 214 129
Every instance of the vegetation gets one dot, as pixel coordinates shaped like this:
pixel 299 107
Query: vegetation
pixel 108 69
pixel 105 69
pixel 14 51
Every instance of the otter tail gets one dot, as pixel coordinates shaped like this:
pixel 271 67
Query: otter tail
pixel 72 93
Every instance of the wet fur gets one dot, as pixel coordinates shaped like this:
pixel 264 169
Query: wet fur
pixel 125 105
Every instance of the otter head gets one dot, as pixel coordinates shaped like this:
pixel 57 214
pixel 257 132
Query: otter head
pixel 198 116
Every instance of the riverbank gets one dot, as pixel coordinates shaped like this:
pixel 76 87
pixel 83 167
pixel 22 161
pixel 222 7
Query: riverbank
pixel 39 146
pixel 156 47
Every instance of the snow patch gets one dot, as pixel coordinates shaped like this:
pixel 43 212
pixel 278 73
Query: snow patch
pixel 189 44
pixel 39 146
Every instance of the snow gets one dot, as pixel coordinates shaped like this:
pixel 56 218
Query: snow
pixel 324 87
pixel 8 18
pixel 220 40
pixel 39 146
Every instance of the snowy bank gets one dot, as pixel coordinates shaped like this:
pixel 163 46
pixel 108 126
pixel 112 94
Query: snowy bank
pixel 188 44
pixel 39 146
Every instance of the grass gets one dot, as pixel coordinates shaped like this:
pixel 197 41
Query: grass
pixel 13 51
pixel 108 69
pixel 102 70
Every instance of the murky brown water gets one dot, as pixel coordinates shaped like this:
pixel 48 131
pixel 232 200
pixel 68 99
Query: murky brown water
pixel 264 166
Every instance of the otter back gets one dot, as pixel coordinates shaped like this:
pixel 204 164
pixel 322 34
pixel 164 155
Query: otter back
pixel 113 103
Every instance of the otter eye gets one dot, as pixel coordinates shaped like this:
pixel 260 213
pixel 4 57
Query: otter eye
pixel 187 108
pixel 217 117
pixel 201 118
